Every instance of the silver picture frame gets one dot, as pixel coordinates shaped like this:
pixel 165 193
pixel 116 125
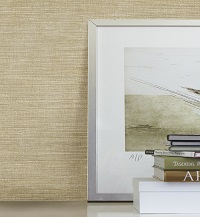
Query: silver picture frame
pixel 94 33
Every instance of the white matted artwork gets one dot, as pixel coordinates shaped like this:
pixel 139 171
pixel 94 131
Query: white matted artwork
pixel 130 59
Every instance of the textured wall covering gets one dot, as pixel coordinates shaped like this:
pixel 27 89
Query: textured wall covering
pixel 43 90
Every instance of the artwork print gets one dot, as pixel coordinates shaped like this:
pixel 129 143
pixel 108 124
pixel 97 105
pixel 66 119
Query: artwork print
pixel 162 95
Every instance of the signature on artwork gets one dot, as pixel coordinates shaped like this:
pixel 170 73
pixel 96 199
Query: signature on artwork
pixel 136 157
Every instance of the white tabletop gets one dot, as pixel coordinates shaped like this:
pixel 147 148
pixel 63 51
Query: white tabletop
pixel 75 209
pixel 123 210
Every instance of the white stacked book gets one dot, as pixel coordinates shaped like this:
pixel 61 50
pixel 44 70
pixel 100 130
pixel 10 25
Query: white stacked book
pixel 154 196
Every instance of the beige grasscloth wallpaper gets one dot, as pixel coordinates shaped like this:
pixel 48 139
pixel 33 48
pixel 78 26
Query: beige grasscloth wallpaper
pixel 43 90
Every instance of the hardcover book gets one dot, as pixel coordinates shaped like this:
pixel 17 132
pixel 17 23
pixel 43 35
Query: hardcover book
pixel 172 153
pixel 176 163
pixel 154 196
pixel 177 176
pixel 184 148
pixel 185 143
pixel 181 137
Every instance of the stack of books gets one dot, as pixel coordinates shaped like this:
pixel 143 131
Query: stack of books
pixel 184 142
pixel 180 162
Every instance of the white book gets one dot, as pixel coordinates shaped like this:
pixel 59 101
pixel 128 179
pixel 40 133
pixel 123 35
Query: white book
pixel 154 196
pixel 172 153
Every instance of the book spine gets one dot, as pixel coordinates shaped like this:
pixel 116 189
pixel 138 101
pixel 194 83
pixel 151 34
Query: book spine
pixel 181 163
pixel 182 176
pixel 176 137
pixel 179 148
pixel 185 143
pixel 170 153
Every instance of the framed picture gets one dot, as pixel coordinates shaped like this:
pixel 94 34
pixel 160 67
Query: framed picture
pixel 143 85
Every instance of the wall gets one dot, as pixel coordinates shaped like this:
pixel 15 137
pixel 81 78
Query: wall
pixel 43 90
